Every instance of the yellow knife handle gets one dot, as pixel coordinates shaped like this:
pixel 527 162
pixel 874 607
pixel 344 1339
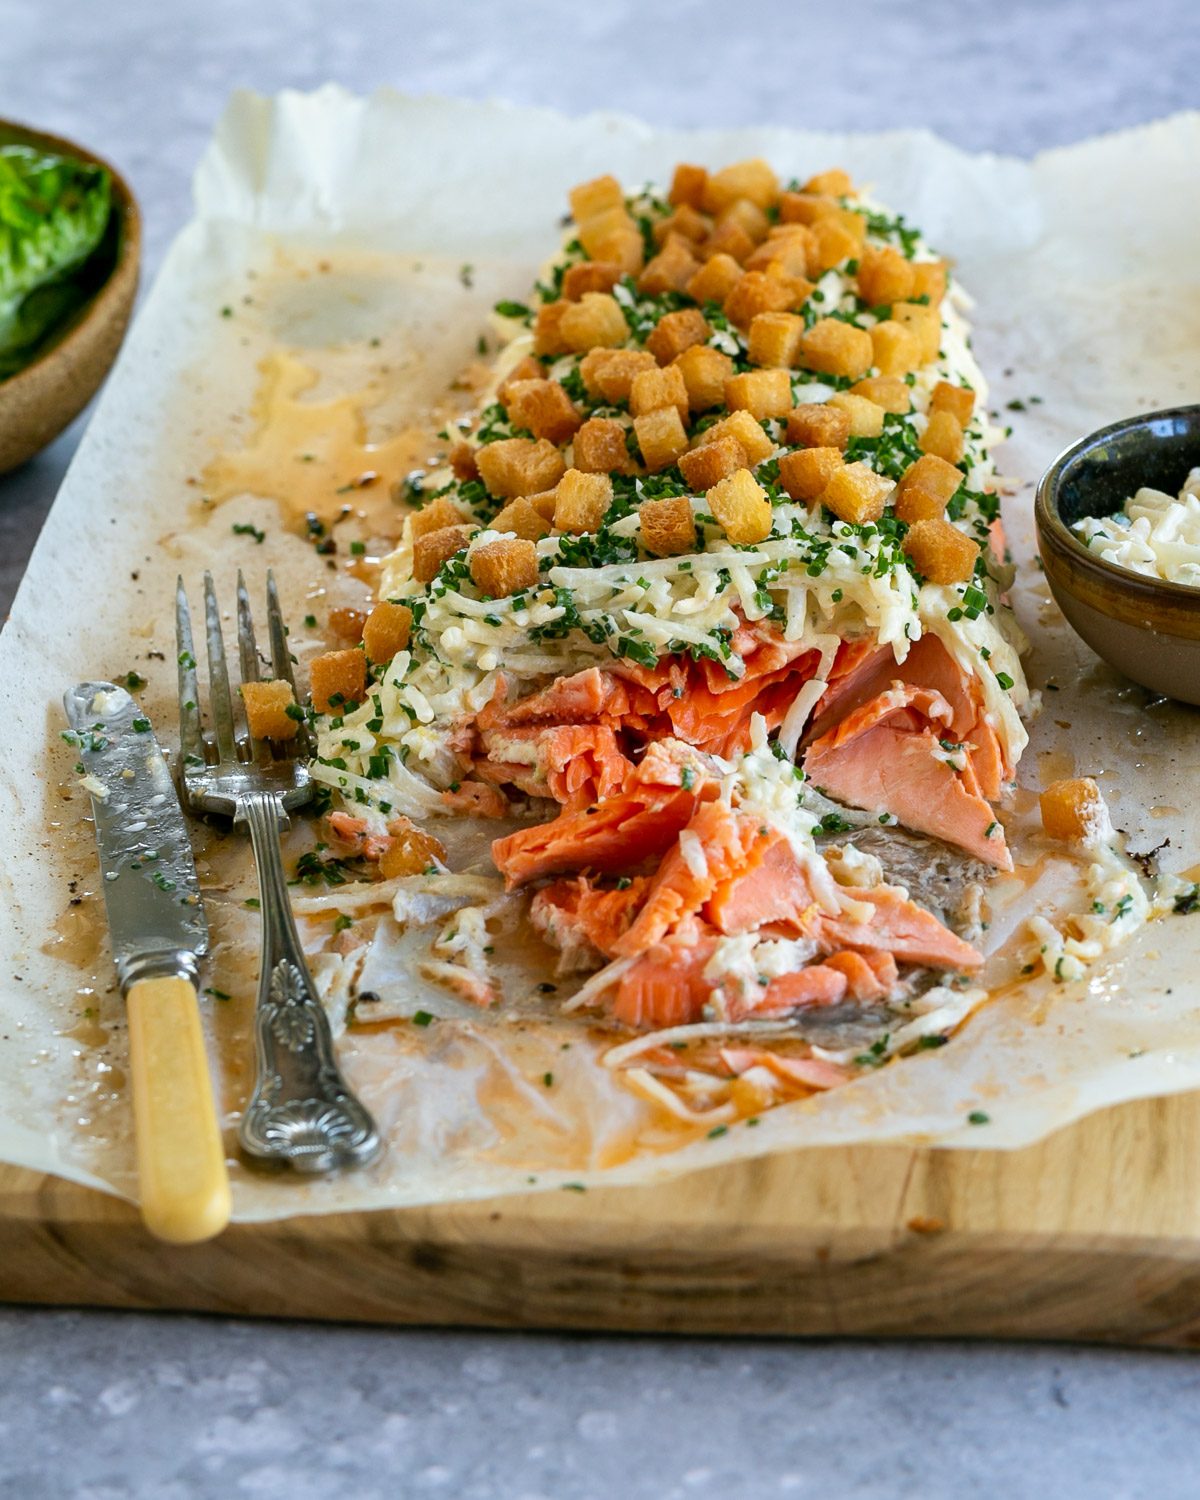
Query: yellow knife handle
pixel 184 1186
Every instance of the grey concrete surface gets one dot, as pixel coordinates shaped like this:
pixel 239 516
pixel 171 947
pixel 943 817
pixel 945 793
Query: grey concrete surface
pixel 104 1407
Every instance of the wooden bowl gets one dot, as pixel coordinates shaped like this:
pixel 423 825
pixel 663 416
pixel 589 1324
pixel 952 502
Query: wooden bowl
pixel 1145 627
pixel 38 401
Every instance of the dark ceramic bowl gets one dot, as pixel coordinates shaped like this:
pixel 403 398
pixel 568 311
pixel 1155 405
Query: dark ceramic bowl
pixel 1146 628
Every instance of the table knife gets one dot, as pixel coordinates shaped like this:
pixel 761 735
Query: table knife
pixel 159 934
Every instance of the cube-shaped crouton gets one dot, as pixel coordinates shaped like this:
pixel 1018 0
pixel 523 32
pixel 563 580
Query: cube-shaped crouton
pixel 925 325
pixel 741 506
pixel 582 501
pixel 806 208
pixel 884 276
pixel 747 430
pixel 727 239
pixel 685 222
pixel 461 459
pixel 519 466
pixel 1073 809
pixel 661 437
pixel 543 505
pixel 436 547
pixel 667 526
pixel 432 516
pixel 541 407
pixel 757 292
pixel 687 185
pixel 387 630
pixel 855 225
pixel 763 393
pixel 715 279
pixel 833 243
pixel 676 331
pixel 410 850
pixel 547 328
pixel 599 448
pixel 943 437
pixel 524 369
pixel 832 347
pixel 670 270
pixel 935 475
pixel 958 400
pixel 856 494
pixel 271 709
pixel 914 502
pixel 929 280
pixel 774 339
pixel 337 679
pixel 835 182
pixel 505 566
pixel 940 552
pixel 608 373
pixel 595 197
pixel 613 236
pixel 653 389
pixel 792 253
pixel 704 372
pixel 896 348
pixel 747 216
pixel 888 391
pixel 521 517
pixel 709 464
pixel 805 475
pixel 818 425
pixel 866 418
pixel 594 322
pixel 754 179
pixel 589 276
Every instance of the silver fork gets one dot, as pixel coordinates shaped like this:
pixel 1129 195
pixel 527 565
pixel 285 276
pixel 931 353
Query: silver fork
pixel 301 1112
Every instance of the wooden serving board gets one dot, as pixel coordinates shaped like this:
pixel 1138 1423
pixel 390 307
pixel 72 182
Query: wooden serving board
pixel 1093 1234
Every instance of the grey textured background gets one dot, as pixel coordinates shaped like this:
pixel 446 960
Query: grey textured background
pixel 104 1407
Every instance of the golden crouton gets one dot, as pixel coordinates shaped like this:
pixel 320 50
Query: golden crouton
pixel 933 474
pixel 271 711
pixel 866 417
pixel 929 280
pixel 519 466
pixel 706 466
pixel 611 236
pixel 541 407
pixel 461 459
pixel 595 197
pixel 505 566
pixel 1072 809
pixel 806 473
pixel 818 426
pixel 715 279
pixel 676 331
pixel 685 222
pixel 757 292
pixel 387 630
pixel 670 270
pixel 806 208
pixel 582 501
pixel 748 217
pixel 727 239
pixel 742 426
pixel 653 389
pixel 547 328
pixel 608 373
pixel 599 448
pixel 943 437
pixel 687 185
pixel 833 243
pixel 543 505
pixel 667 526
pixel 410 850
pixel 661 437
pixel 741 506
pixel 896 348
pixel 774 339
pixel 884 276
pixel 594 322
pixel 432 516
pixel 589 276
pixel 832 347
pixel 524 369
pixel 940 552
pixel 763 393
pixel 835 183
pixel 856 493
pixel 790 253
pixel 925 325
pixel 754 179
pixel 522 517
pixel 436 547
pixel 888 391
pixel 336 680
pixel 914 502
pixel 704 372
pixel 855 225
pixel 958 400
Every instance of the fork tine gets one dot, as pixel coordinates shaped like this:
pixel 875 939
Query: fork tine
pixel 281 657
pixel 247 646
pixel 191 741
pixel 221 704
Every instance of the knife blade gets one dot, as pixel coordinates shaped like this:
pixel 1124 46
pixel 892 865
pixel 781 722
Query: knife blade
pixel 159 934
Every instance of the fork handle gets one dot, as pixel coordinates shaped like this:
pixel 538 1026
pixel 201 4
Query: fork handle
pixel 302 1112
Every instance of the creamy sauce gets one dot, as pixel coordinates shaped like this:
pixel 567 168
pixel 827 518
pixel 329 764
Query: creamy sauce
pixel 1156 534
